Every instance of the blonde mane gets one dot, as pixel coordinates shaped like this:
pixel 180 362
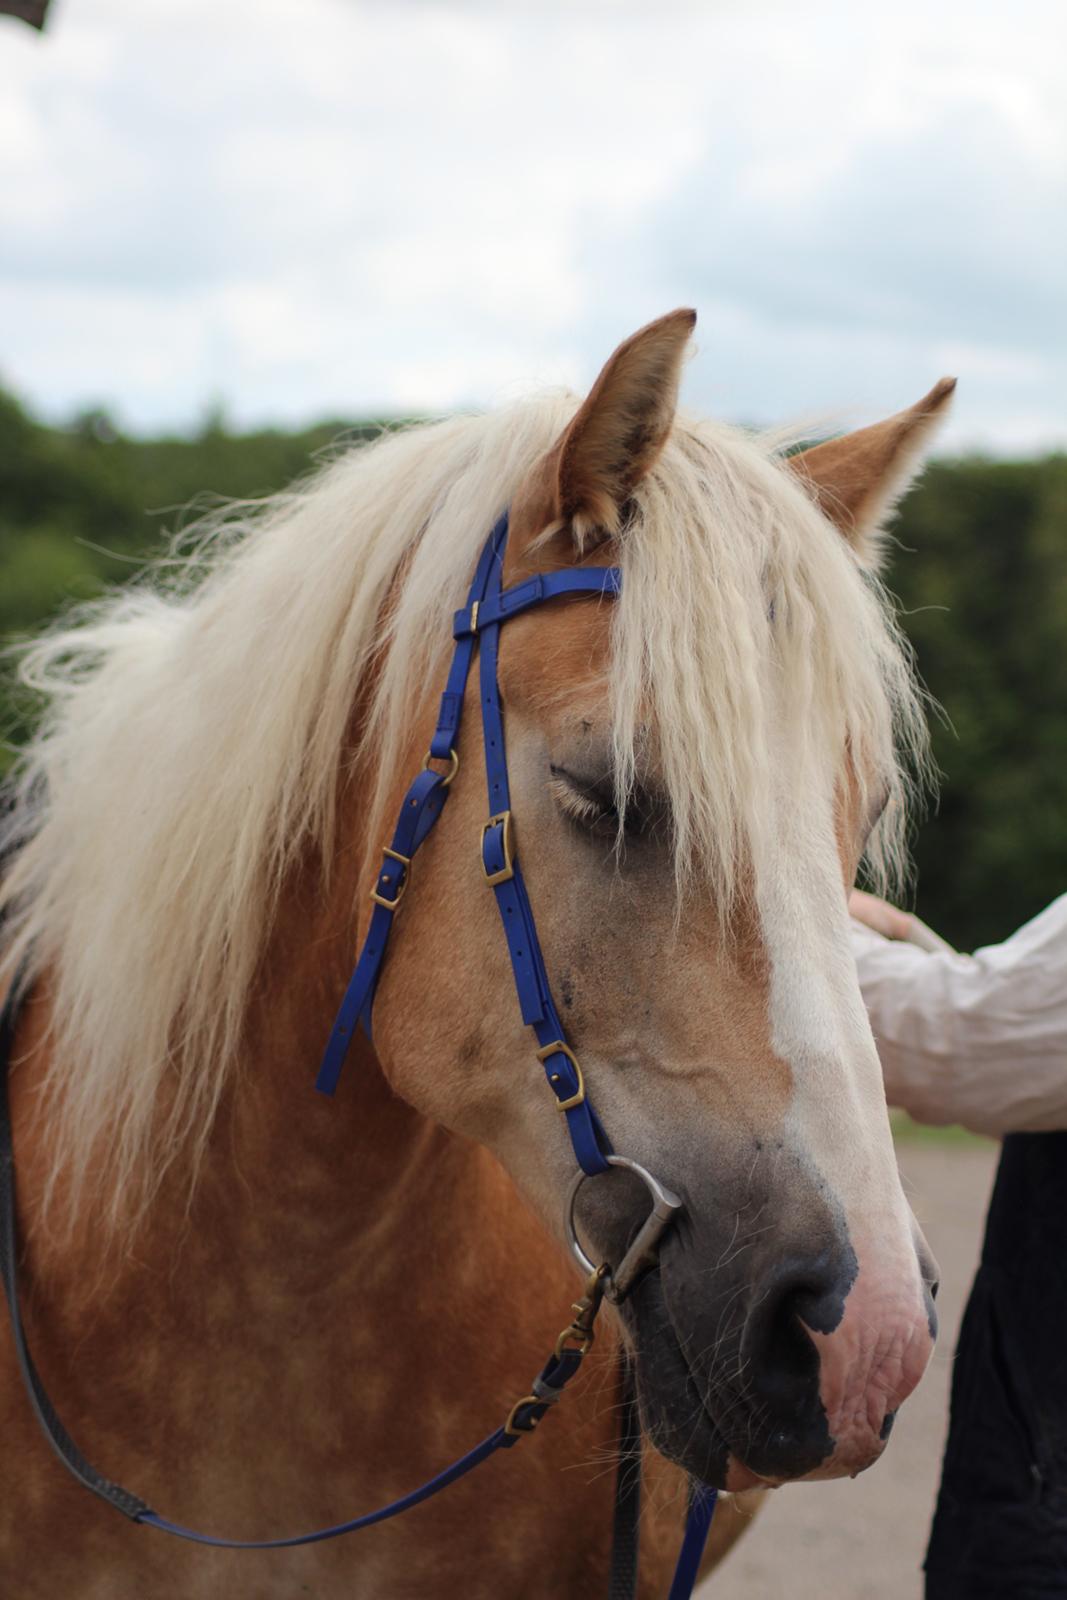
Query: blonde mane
pixel 196 733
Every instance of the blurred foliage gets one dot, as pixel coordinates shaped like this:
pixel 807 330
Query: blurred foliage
pixel 982 579
pixel 981 572
pixel 82 508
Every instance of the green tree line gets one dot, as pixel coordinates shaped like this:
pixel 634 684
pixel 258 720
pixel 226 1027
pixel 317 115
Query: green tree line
pixel 980 569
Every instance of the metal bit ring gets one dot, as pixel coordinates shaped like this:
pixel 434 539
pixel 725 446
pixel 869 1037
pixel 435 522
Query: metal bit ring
pixel 643 1252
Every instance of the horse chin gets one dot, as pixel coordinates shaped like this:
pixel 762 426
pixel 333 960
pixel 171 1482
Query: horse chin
pixel 682 1414
pixel 675 1414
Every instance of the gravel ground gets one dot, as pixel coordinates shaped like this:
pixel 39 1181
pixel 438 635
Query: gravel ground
pixel 864 1540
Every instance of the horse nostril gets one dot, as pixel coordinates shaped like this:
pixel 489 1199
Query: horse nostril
pixel 929 1296
pixel 929 1271
pixel 797 1304
pixel 800 1298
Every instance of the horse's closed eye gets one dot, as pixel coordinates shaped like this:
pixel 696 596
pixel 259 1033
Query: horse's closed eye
pixel 590 802
pixel 585 803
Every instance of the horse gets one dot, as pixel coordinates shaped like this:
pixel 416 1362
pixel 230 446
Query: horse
pixel 268 1309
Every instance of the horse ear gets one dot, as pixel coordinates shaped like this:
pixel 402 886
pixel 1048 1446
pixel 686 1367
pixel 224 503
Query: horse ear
pixel 621 428
pixel 857 479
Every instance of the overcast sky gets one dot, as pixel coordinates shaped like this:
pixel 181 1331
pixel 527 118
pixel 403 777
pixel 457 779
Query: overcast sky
pixel 328 207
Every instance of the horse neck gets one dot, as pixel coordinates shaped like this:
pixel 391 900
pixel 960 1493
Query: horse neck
pixel 346 1254
pixel 293 1186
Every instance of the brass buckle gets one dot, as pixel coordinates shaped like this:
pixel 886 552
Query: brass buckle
pixel 527 1400
pixel 380 899
pixel 474 616
pixel 453 760
pixel 558 1048
pixel 578 1332
pixel 581 1331
pixel 507 871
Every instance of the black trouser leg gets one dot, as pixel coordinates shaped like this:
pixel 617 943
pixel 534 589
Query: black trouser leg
pixel 1000 1530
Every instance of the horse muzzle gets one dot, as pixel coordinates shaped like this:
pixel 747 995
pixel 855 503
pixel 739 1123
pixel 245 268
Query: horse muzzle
pixel 779 1370
pixel 779 1356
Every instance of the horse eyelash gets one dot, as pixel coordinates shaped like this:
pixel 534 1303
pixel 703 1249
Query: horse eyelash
pixel 576 803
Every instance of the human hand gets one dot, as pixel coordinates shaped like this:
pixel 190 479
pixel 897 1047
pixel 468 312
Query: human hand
pixel 885 919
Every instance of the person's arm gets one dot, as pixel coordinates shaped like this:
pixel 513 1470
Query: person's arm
pixel 980 1040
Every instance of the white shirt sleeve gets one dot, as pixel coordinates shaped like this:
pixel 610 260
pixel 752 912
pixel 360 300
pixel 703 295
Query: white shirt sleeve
pixel 980 1040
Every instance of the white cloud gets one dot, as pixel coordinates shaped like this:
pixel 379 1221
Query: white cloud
pixel 313 206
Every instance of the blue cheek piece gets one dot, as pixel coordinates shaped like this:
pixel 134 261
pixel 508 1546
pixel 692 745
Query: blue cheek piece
pixel 478 625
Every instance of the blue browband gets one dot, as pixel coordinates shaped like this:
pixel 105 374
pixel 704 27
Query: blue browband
pixel 488 607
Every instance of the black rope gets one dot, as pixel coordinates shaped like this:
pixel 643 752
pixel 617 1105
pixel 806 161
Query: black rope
pixel 625 1529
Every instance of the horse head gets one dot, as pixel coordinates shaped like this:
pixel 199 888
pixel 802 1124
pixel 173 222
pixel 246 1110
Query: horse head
pixel 697 763
pixel 697 768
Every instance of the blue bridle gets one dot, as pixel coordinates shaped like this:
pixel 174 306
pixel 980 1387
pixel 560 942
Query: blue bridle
pixel 488 607
pixel 477 625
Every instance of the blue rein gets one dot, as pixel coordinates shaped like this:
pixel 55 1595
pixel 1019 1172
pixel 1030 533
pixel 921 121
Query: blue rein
pixel 478 624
